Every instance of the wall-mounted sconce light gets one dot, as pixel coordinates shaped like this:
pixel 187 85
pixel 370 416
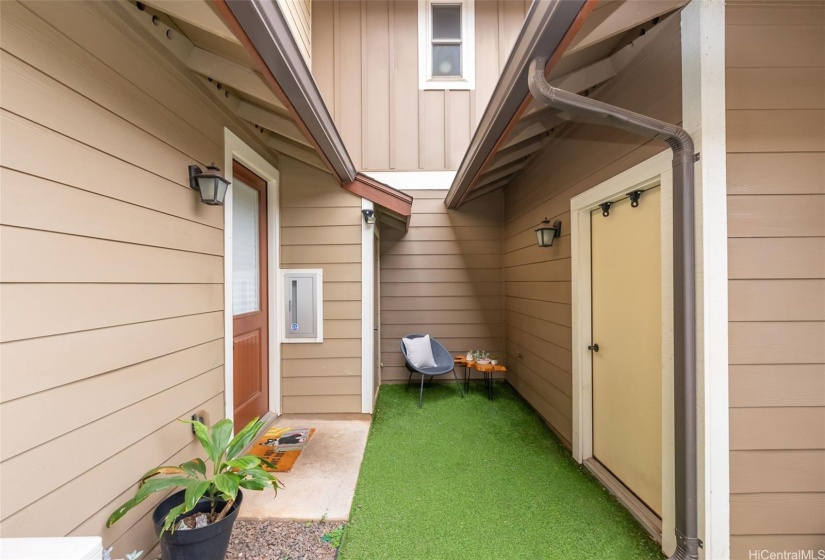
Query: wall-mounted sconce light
pixel 369 216
pixel 210 183
pixel 546 233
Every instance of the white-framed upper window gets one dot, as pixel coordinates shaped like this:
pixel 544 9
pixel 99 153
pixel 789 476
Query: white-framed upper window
pixel 446 44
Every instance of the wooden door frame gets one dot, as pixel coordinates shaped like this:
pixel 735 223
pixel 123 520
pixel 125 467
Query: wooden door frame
pixel 237 150
pixel 657 170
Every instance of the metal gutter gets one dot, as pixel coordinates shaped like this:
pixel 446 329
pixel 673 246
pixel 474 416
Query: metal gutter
pixel 549 27
pixel 684 286
pixel 262 27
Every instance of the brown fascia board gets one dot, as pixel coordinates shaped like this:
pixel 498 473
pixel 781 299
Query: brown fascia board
pixel 395 201
pixel 261 27
pixel 548 30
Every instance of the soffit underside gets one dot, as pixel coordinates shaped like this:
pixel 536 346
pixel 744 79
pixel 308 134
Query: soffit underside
pixel 613 36
pixel 194 33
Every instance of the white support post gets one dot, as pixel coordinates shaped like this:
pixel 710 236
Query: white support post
pixel 703 110
pixel 367 310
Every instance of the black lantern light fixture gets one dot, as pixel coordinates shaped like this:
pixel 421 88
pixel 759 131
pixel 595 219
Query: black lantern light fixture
pixel 369 215
pixel 546 233
pixel 210 183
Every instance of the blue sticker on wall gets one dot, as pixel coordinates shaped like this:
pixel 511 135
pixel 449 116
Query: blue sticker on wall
pixel 294 327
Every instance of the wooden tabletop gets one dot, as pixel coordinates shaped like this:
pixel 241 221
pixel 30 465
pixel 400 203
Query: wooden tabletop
pixel 461 361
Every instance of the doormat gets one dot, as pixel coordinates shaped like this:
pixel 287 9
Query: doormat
pixel 281 447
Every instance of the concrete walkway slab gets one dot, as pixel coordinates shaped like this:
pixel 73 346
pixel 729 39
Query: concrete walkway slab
pixel 322 481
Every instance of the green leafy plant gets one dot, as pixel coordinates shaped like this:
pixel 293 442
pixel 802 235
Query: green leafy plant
pixel 480 355
pixel 333 538
pixel 229 471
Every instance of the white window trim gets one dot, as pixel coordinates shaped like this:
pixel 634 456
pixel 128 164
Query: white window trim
pixel 237 149
pixel 468 64
pixel 319 307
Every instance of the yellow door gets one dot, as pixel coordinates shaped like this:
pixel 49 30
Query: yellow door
pixel 627 326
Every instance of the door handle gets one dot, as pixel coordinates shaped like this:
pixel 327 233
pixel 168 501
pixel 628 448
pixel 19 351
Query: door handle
pixel 593 347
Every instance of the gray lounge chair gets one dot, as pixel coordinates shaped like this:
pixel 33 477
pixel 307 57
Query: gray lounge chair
pixel 444 363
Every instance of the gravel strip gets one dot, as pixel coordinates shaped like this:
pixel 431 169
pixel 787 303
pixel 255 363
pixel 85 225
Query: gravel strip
pixel 280 540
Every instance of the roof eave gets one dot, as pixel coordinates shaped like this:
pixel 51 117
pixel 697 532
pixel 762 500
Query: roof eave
pixel 548 30
pixel 262 28
pixel 398 203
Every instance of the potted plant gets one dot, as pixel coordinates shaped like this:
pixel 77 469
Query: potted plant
pixel 196 522
pixel 470 356
pixel 481 357
pixel 494 359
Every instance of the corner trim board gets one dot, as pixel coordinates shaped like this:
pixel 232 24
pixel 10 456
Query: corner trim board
pixel 367 310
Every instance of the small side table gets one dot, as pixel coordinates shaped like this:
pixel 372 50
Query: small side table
pixel 486 369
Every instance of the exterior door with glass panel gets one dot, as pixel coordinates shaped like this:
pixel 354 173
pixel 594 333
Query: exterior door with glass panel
pixel 627 326
pixel 249 296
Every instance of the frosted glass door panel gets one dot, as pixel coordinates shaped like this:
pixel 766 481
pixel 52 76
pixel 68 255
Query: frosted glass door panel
pixel 245 249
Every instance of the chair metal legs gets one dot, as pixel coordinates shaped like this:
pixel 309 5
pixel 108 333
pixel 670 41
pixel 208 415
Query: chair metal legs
pixel 457 382
pixel 421 392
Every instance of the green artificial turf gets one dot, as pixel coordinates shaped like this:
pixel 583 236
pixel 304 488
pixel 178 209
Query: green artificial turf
pixel 473 479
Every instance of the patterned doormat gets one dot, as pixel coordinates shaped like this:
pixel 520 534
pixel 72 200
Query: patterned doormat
pixel 282 446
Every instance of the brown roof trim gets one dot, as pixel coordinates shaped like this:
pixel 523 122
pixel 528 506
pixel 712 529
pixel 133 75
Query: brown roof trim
pixel 383 195
pixel 548 30
pixel 260 26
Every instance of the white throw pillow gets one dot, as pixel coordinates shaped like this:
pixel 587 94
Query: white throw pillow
pixel 419 351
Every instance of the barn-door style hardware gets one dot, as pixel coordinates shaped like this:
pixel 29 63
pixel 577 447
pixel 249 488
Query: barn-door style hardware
pixel 634 198
pixel 210 183
pixel 594 347
pixel 546 234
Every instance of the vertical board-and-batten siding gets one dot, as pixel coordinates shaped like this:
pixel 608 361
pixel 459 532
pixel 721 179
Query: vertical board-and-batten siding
pixel 321 228
pixel 365 61
pixel 298 14
pixel 111 270
pixel 776 227
pixel 442 278
pixel 538 313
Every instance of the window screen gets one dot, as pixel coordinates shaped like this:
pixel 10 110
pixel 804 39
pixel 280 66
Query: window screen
pixel 245 265
pixel 446 40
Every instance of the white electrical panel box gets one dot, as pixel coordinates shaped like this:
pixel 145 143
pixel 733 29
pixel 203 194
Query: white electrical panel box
pixel 303 305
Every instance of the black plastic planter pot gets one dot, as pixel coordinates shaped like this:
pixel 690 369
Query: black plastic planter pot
pixel 206 543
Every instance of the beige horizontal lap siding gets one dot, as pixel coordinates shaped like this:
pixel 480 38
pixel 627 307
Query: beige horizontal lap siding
pixel 111 270
pixel 442 278
pixel 365 61
pixel 321 228
pixel 776 228
pixel 538 280
pixel 298 15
